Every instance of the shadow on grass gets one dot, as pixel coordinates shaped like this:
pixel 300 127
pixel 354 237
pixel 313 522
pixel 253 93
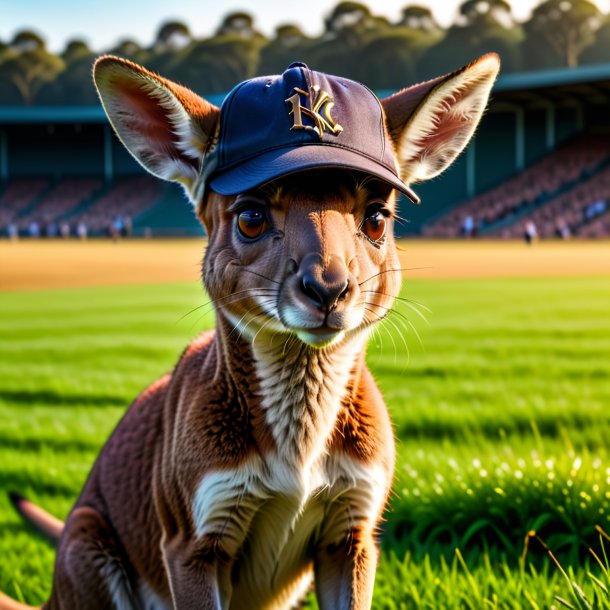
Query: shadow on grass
pixel 53 399
pixel 10 531
pixel 24 483
pixel 551 427
pixel 57 445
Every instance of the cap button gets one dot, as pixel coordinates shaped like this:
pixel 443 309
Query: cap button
pixel 297 64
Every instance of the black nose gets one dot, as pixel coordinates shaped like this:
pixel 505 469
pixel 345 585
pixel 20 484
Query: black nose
pixel 325 285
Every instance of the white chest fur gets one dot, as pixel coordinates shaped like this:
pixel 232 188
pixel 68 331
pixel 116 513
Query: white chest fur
pixel 271 528
pixel 271 512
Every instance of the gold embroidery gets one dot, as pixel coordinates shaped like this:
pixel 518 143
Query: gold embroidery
pixel 320 105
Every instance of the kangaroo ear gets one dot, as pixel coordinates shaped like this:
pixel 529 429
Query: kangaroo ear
pixel 166 127
pixel 431 123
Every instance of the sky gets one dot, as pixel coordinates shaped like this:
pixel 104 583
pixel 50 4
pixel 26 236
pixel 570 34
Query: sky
pixel 102 23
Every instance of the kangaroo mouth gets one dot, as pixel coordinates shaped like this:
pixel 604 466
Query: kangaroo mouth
pixel 320 336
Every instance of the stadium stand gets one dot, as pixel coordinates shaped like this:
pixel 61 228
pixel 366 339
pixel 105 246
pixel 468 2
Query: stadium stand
pixel 128 197
pixel 544 192
pixel 20 195
pixel 597 228
pixel 60 201
pixel 582 209
pixel 539 157
pixel 42 207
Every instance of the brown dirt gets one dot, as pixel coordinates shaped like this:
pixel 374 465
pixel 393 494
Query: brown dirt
pixel 32 265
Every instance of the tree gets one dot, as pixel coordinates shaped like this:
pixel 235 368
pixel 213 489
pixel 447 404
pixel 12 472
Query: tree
pixel 387 62
pixel 347 16
pixel 129 49
pixel 217 64
pixel 599 51
pixel 239 24
pixel 483 26
pixel 487 13
pixel 567 27
pixel 420 18
pixel 74 85
pixel 348 29
pixel 289 44
pixel 172 35
pixel 27 40
pixel 31 67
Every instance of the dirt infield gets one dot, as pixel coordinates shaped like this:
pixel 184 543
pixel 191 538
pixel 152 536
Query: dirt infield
pixel 38 265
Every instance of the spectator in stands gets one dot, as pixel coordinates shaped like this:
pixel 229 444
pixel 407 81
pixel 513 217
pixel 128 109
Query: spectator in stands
pixel 530 232
pixel 127 226
pixel 117 226
pixel 468 226
pixel 34 229
pixel 562 228
pixel 13 231
pixel 595 209
pixel 81 230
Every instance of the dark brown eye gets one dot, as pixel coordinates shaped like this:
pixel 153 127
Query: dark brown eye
pixel 251 223
pixel 374 225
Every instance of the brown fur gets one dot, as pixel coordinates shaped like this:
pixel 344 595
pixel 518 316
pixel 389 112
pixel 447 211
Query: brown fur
pixel 266 455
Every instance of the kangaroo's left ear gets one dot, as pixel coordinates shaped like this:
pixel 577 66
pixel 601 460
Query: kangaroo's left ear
pixel 165 126
pixel 431 123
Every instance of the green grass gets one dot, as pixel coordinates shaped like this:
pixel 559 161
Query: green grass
pixel 501 415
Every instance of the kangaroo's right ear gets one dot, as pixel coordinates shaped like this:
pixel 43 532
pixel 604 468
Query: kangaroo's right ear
pixel 165 126
pixel 432 122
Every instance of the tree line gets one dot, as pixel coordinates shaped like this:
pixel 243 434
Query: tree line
pixel 355 42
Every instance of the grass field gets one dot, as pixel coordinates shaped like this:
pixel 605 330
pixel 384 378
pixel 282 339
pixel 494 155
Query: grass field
pixel 500 410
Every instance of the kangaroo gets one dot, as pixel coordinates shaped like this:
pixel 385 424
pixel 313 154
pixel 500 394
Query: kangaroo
pixel 261 465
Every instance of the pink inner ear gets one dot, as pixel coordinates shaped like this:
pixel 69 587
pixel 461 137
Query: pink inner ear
pixel 451 118
pixel 144 115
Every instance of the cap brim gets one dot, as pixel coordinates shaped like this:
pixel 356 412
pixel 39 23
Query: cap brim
pixel 282 162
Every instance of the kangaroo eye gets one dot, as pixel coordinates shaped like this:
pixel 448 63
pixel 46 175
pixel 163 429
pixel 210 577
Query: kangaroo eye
pixel 251 223
pixel 374 224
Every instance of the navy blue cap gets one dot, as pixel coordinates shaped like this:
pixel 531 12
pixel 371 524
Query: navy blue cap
pixel 272 126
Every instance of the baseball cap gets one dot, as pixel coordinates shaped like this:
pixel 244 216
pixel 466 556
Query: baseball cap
pixel 272 126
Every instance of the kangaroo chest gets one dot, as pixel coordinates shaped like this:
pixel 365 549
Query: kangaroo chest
pixel 269 518
pixel 269 514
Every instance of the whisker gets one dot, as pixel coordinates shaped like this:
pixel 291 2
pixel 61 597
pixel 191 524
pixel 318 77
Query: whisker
pixel 368 279
pixel 261 276
pixel 413 305
pixel 248 311
pixel 411 325
pixel 238 300
pixel 269 320
pixel 230 298
pixel 406 329
pixel 404 342
pixel 382 320
pixel 401 315
pixel 233 294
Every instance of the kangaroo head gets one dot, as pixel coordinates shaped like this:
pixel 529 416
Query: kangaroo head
pixel 295 179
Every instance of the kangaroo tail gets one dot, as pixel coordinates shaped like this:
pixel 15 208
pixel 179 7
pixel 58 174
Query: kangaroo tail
pixel 44 522
pixel 6 603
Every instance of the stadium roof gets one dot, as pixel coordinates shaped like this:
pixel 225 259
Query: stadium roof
pixel 540 79
pixel 63 114
pixel 587 82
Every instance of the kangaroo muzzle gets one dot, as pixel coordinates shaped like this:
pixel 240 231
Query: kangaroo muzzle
pixel 324 282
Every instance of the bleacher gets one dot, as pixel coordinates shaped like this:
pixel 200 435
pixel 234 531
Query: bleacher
pixel 19 196
pixel 555 189
pixel 41 206
pixel 582 209
pixel 60 201
pixel 127 197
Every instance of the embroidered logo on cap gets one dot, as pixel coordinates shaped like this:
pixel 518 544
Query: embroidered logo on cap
pixel 320 105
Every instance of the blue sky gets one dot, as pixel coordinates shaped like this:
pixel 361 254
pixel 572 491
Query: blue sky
pixel 103 23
